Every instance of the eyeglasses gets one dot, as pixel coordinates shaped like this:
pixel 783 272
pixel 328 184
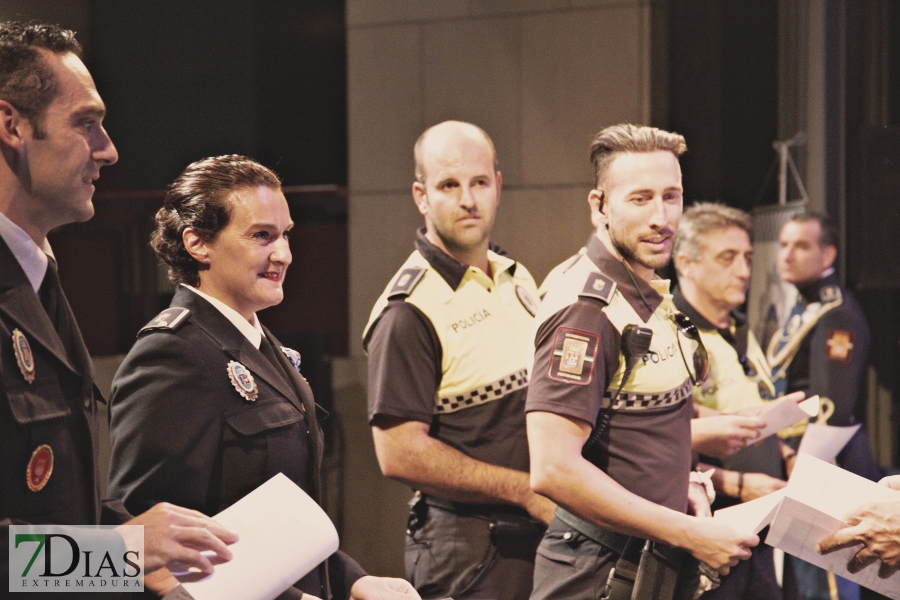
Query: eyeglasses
pixel 700 358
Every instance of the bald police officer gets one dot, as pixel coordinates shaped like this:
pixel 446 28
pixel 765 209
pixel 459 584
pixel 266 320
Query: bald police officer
pixel 447 378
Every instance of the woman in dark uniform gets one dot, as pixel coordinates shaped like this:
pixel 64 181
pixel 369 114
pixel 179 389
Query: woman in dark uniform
pixel 208 405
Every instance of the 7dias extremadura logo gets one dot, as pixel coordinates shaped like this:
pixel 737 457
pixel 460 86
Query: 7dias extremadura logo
pixel 75 558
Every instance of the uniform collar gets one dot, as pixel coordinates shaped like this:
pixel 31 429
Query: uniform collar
pixel 811 290
pixel 454 271
pixel 615 269
pixel 734 335
pixel 252 331
pixel 31 257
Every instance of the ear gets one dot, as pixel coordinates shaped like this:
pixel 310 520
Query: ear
pixel 499 185
pixel 420 198
pixel 195 246
pixel 13 125
pixel 682 264
pixel 596 201
pixel 829 253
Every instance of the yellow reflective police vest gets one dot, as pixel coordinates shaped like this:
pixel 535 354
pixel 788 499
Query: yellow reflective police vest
pixel 661 378
pixel 483 327
pixel 729 389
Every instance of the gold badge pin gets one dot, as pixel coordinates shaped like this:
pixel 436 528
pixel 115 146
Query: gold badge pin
pixel 24 356
pixel 39 468
pixel 293 356
pixel 242 381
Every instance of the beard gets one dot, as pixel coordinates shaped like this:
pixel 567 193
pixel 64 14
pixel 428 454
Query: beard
pixel 630 254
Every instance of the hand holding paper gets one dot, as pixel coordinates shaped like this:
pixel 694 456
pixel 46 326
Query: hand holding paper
pixel 785 412
pixel 875 525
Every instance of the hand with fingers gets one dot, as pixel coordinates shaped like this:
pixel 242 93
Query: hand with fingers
pixel 876 526
pixel 175 537
pixel 718 545
pixel 723 435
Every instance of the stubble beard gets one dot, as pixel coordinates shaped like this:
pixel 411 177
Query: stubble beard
pixel 657 261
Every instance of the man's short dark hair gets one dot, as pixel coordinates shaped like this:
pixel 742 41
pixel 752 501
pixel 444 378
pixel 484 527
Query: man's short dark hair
pixel 26 81
pixel 828 233
pixel 627 138
pixel 200 198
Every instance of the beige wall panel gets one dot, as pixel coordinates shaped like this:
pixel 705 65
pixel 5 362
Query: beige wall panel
pixel 382 233
pixel 384 106
pixel 374 537
pixel 495 7
pixel 541 228
pixel 581 71
pixel 373 12
pixel 471 72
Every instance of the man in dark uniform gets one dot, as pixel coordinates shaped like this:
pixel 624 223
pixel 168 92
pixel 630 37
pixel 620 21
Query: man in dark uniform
pixel 447 380
pixel 822 348
pixel 53 146
pixel 609 422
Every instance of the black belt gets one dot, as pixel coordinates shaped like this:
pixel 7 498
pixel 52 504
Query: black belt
pixel 608 539
pixel 465 509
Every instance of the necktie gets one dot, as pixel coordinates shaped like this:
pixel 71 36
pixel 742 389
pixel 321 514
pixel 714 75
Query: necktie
pixel 791 325
pixel 60 313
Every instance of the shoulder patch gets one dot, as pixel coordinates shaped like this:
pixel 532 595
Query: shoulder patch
pixel 406 281
pixel 598 286
pixel 830 293
pixel 573 356
pixel 839 347
pixel 169 320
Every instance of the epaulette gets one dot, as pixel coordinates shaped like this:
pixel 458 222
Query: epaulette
pixel 830 293
pixel 169 320
pixel 405 282
pixel 598 286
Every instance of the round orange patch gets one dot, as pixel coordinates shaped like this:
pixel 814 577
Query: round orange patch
pixel 39 468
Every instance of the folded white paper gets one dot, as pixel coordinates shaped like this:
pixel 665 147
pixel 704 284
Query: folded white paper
pixel 753 516
pixel 283 533
pixel 825 442
pixel 818 498
pixel 784 413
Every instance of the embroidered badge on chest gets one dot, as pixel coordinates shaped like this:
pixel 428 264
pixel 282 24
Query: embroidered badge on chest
pixel 242 381
pixel 526 300
pixel 40 466
pixel 293 356
pixel 24 356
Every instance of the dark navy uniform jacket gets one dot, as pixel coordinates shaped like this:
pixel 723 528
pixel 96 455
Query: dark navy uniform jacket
pixel 57 409
pixel 182 433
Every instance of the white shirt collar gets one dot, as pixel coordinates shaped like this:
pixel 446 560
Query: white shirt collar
pixel 31 257
pixel 251 330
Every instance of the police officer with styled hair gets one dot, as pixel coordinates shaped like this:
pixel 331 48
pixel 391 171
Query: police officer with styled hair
pixel 447 378
pixel 609 404
pixel 53 145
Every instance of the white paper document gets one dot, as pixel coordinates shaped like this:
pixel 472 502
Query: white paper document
pixel 825 442
pixel 753 516
pixel 818 497
pixel 784 413
pixel 283 533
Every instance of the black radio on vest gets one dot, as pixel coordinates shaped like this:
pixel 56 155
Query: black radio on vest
pixel 634 346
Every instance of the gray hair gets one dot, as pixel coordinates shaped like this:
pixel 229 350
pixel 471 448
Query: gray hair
pixel 704 218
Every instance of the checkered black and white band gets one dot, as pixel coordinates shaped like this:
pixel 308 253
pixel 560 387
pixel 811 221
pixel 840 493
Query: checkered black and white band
pixel 635 401
pixel 486 393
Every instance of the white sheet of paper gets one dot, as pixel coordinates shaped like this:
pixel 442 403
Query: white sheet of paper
pixel 817 498
pixel 784 413
pixel 283 533
pixel 797 528
pixel 826 442
pixel 753 516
